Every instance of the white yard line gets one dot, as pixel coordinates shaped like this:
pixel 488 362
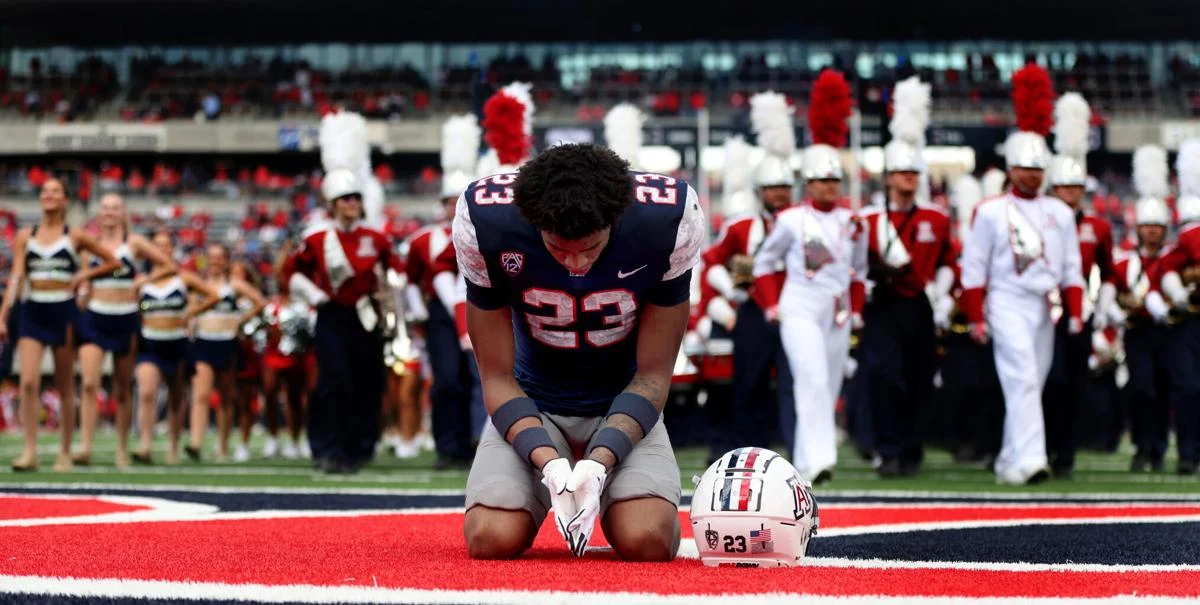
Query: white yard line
pixel 349 594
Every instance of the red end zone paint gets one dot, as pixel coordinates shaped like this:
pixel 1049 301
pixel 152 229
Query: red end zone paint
pixel 427 552
pixel 35 507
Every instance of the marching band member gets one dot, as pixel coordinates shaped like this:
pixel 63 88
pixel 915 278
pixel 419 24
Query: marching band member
pixel 1066 392
pixel 729 271
pixel 1181 273
pixel 336 269
pixel 825 255
pixel 46 272
pixel 909 253
pixel 1147 336
pixel 1022 246
pixel 110 323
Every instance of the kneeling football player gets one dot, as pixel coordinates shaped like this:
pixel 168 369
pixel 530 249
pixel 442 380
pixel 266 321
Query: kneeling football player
pixel 577 274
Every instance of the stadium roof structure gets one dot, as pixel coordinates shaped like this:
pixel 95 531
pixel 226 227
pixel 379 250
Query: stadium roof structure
pixel 38 23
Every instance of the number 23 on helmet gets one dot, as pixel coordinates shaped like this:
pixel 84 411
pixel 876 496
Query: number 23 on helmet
pixel 752 509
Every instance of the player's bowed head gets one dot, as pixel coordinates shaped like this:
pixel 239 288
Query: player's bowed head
pixel 573 194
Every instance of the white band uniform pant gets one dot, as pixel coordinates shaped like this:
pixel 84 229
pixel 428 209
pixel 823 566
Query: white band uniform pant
pixel 1023 341
pixel 817 348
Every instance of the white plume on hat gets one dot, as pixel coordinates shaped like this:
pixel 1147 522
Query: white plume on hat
pixel 1187 164
pixel 1072 123
pixel 910 111
pixel 965 194
pixel 460 143
pixel 1151 172
pixel 343 139
pixel 737 183
pixel 345 146
pixel 993 182
pixel 460 152
pixel 771 120
pixel 623 132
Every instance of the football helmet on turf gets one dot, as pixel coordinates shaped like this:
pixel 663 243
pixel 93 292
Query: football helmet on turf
pixel 753 509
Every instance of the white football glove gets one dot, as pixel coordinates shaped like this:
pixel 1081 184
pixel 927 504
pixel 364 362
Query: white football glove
pixel 555 476
pixel 587 483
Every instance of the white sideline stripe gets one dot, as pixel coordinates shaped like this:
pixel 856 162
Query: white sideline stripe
pixel 160 510
pixel 1006 495
pixel 149 589
pixel 213 489
pixel 210 515
pixel 982 497
pixel 989 566
pixel 899 528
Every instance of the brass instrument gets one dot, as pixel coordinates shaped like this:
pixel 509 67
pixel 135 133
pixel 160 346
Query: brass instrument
pixel 741 269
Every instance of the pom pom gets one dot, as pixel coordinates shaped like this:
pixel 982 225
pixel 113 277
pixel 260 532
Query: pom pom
pixel 1188 166
pixel 829 107
pixel 460 144
pixel 1072 122
pixel 1151 172
pixel 771 120
pixel 1033 99
pixel 623 131
pixel 508 123
pixel 344 145
pixel 910 111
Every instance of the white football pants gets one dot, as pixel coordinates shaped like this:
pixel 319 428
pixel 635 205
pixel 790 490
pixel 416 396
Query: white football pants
pixel 816 349
pixel 1023 343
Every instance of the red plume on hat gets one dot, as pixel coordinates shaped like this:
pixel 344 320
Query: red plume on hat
pixel 1033 99
pixel 828 108
pixel 504 124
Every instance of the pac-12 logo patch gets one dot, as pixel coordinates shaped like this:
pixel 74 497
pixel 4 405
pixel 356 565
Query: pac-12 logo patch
pixel 512 262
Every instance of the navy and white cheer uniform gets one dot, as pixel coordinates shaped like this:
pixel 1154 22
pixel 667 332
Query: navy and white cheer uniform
pixel 48 307
pixel 163 339
pixel 215 339
pixel 111 324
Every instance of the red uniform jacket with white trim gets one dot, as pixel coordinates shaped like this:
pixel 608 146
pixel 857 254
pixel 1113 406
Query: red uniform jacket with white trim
pixel 924 231
pixel 364 249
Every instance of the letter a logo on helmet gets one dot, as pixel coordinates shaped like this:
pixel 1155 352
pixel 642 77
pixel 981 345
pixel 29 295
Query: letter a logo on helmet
pixel 755 510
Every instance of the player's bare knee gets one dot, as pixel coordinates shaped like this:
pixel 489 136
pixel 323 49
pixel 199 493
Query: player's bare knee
pixel 497 534
pixel 646 542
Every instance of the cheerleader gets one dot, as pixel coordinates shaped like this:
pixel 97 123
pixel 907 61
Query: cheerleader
pixel 110 323
pixel 46 272
pixel 163 345
pixel 214 347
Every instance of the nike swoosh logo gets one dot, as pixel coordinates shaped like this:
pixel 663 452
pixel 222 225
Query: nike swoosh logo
pixel 622 275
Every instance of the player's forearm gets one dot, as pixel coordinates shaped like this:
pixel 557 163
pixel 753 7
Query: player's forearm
pixel 654 387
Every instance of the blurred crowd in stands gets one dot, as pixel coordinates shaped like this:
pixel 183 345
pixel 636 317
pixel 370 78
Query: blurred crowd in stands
pixel 158 90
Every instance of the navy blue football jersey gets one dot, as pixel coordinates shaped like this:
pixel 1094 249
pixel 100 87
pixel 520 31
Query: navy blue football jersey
pixel 576 336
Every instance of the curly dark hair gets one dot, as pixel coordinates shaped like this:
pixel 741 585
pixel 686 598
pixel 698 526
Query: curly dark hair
pixel 573 190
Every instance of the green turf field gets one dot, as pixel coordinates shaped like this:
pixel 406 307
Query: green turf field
pixel 1095 473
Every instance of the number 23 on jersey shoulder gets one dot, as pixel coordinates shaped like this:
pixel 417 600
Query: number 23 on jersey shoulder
pixel 495 189
pixel 558 330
